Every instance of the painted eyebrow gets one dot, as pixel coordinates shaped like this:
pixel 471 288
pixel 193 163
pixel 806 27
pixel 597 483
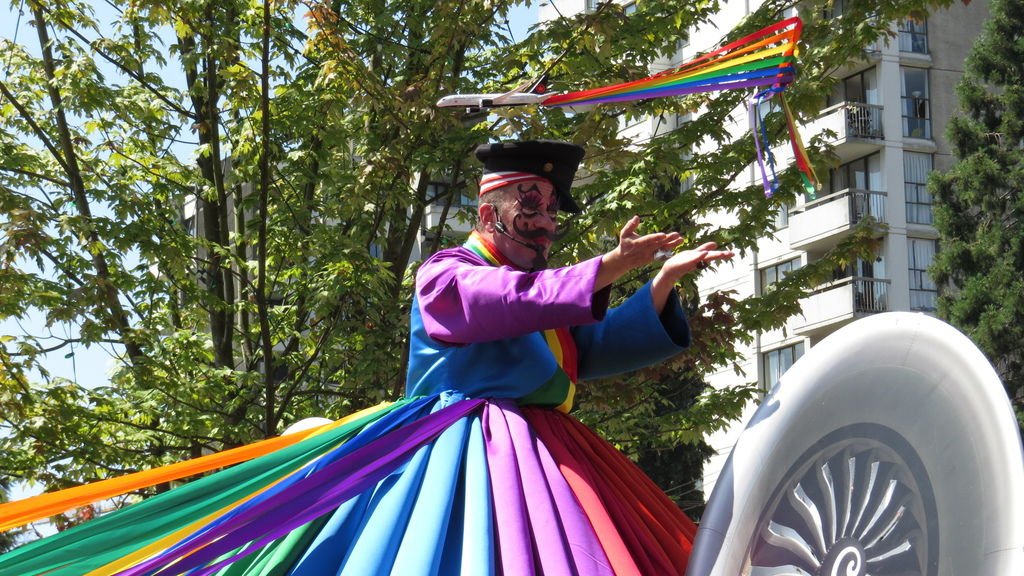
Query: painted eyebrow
pixel 531 199
pixel 527 189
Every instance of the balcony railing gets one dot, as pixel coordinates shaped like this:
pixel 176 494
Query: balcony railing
pixel 821 221
pixel 842 301
pixel 860 204
pixel 864 120
pixel 855 128
pixel 870 295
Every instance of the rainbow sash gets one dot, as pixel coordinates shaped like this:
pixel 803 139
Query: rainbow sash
pixel 560 389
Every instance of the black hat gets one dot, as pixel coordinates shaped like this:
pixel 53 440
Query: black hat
pixel 549 159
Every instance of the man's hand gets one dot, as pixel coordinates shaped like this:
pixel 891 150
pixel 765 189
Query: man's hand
pixel 633 252
pixel 681 264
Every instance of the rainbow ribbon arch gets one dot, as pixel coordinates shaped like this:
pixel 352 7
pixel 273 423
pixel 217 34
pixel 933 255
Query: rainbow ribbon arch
pixel 766 58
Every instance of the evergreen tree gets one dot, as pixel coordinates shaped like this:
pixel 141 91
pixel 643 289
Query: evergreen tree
pixel 978 203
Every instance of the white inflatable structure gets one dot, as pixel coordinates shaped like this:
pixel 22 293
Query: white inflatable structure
pixel 890 448
pixel 306 424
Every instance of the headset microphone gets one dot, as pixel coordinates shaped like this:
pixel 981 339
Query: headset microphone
pixel 500 227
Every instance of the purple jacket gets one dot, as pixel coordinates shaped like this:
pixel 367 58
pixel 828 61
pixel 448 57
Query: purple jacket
pixel 476 327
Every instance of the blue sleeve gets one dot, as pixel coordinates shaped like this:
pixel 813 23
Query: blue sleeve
pixel 631 336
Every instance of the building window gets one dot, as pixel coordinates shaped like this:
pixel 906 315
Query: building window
pixel 773 274
pixel 861 87
pixel 592 6
pixel 782 217
pixel 189 224
pixel 916 167
pixel 629 8
pixel 683 119
pixel 916 106
pixel 923 293
pixel 861 174
pixel 766 107
pixel 862 268
pixel 833 9
pixel 628 120
pixel 687 184
pixel 437 192
pixel 914 36
pixel 777 362
pixel 668 191
pixel 678 56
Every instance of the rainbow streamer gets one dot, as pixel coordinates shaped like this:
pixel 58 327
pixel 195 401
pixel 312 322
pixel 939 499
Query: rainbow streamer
pixel 433 485
pixel 765 58
pixel 761 139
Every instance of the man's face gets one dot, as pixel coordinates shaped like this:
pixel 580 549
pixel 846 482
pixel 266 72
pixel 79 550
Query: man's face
pixel 531 218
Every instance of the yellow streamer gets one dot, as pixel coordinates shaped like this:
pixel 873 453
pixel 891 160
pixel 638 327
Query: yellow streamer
pixel 162 544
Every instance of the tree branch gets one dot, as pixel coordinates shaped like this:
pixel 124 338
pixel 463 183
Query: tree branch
pixel 114 308
pixel 171 105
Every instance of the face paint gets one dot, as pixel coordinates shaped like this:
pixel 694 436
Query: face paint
pixel 533 207
pixel 532 223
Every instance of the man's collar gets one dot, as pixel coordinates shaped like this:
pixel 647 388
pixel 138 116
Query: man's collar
pixel 484 248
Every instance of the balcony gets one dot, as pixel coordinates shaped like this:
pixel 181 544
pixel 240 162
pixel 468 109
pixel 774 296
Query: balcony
pixel 857 126
pixel 822 223
pixel 842 301
pixel 870 56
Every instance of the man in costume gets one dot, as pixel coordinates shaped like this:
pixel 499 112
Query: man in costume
pixel 489 319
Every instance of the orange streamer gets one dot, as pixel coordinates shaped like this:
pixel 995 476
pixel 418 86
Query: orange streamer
pixel 21 512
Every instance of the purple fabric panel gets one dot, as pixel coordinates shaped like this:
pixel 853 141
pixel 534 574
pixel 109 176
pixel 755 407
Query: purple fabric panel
pixel 587 553
pixel 563 536
pixel 309 498
pixel 515 548
pixel 545 528
pixel 540 524
pixel 464 299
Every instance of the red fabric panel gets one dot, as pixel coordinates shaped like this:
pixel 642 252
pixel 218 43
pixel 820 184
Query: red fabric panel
pixel 569 353
pixel 641 529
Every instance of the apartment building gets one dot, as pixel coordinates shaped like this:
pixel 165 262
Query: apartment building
pixel 453 216
pixel 888 112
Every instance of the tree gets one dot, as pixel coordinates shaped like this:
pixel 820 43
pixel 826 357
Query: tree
pixel 979 267
pixel 307 144
pixel 8 539
pixel 304 153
